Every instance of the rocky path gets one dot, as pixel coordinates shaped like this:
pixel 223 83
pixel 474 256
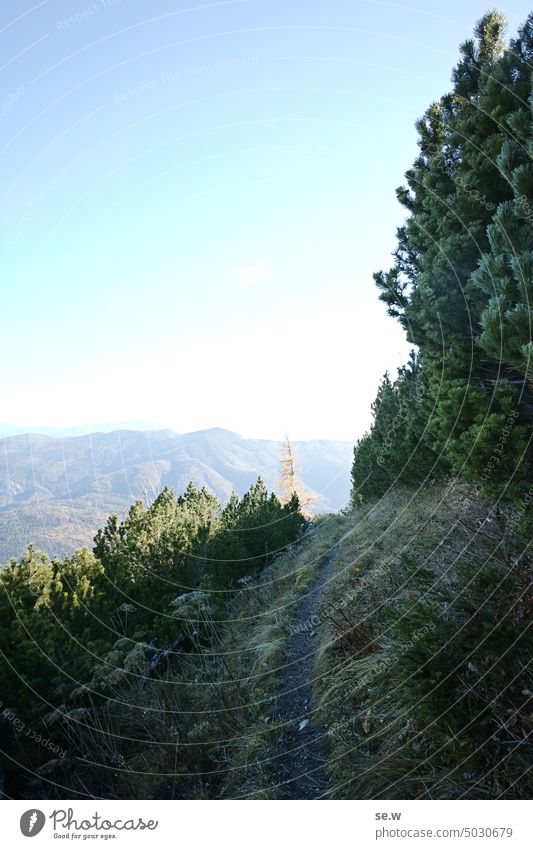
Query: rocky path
pixel 302 745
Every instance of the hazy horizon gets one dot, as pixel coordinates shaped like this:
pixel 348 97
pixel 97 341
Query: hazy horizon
pixel 87 428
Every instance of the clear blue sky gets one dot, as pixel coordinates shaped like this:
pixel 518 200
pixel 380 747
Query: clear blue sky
pixel 194 197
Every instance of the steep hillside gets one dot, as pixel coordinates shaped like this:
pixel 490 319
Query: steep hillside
pixel 55 492
pixel 389 656
pixel 384 655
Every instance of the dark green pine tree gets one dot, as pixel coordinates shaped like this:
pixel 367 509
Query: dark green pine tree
pixel 505 273
pixel 461 281
pixel 397 452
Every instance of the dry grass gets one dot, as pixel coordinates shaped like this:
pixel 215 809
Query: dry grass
pixel 423 583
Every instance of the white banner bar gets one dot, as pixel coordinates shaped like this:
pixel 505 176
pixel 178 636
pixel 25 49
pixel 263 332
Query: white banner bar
pixel 263 825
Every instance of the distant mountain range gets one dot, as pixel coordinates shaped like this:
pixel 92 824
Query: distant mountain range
pixel 56 491
pixel 80 429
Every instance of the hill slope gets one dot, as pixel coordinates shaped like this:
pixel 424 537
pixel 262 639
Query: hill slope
pixel 401 632
pixel 384 655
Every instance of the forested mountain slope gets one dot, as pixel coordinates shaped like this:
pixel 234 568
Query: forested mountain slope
pixel 384 655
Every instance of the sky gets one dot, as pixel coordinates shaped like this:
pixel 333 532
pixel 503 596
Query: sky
pixel 194 198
